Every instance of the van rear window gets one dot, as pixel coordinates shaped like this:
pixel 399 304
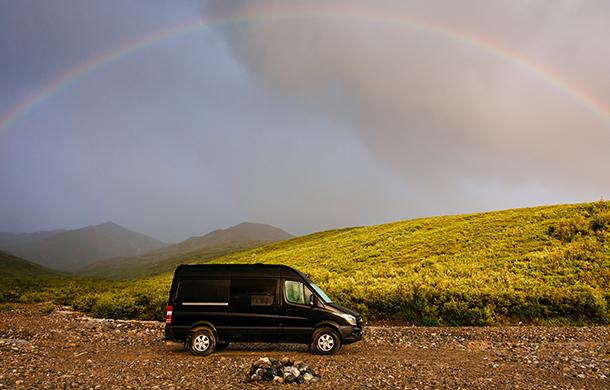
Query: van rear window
pixel 252 292
pixel 203 291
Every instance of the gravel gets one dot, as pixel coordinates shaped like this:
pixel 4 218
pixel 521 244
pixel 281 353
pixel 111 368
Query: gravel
pixel 65 349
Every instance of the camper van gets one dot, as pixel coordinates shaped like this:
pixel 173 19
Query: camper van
pixel 211 306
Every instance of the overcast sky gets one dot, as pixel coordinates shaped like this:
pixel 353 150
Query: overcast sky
pixel 305 115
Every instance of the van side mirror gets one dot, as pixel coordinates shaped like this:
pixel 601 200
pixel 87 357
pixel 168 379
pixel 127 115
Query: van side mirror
pixel 312 301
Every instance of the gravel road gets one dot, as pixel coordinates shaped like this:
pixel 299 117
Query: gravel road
pixel 65 349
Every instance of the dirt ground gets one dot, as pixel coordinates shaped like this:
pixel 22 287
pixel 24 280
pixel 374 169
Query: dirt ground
pixel 40 348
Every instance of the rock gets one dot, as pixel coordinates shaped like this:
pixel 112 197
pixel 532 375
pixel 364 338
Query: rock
pixel 269 370
pixel 263 362
pixel 289 378
pixel 286 361
pixel 278 379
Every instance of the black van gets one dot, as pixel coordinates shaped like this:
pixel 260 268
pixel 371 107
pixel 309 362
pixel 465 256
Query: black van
pixel 212 305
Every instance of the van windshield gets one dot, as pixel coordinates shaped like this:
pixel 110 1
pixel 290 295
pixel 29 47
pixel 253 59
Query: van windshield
pixel 321 293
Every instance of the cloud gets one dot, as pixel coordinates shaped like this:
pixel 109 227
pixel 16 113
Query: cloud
pixel 436 106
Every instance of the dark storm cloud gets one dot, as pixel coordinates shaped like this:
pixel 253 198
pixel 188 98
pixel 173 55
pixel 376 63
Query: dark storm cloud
pixel 436 107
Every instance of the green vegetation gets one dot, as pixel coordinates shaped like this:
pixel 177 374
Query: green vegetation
pixel 139 299
pixel 547 265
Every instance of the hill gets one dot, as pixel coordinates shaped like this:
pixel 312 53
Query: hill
pixel 18 268
pixel 68 250
pixel 212 245
pixel 542 265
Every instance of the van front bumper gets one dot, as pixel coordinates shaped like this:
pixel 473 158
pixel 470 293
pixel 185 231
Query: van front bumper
pixel 350 334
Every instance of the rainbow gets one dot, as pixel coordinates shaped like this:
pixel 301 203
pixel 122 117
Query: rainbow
pixel 304 11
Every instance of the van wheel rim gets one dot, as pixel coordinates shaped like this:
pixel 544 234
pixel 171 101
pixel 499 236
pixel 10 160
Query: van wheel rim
pixel 201 343
pixel 326 342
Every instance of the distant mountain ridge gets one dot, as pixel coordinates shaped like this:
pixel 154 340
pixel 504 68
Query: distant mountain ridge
pixel 244 232
pixel 10 239
pixel 69 250
pixel 217 243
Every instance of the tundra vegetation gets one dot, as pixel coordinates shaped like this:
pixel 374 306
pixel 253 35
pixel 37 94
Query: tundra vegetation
pixel 543 265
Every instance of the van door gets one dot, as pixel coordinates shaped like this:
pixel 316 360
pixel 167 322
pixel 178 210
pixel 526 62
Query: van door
pixel 298 318
pixel 254 309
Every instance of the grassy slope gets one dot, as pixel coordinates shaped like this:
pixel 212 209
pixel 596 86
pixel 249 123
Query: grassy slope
pixel 15 267
pixel 541 265
pixel 537 263
pixel 18 277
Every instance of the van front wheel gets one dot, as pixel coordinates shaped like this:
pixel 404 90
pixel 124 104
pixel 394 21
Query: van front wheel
pixel 202 342
pixel 326 341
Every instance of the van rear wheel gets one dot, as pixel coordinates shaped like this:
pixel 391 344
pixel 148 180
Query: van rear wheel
pixel 202 342
pixel 326 341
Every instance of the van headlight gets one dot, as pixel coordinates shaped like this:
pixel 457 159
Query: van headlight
pixel 349 318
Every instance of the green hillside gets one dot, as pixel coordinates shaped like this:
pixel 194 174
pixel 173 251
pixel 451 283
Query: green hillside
pixel 18 268
pixel 535 263
pixel 18 277
pixel 548 265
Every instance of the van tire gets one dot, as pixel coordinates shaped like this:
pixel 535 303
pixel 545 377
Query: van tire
pixel 326 341
pixel 202 342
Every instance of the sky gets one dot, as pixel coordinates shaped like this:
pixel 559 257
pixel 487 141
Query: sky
pixel 177 118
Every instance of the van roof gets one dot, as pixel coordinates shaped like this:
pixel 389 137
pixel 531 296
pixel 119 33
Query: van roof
pixel 268 270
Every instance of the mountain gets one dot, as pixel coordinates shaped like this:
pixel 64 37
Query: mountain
pixel 68 250
pixel 195 249
pixel 242 233
pixel 18 268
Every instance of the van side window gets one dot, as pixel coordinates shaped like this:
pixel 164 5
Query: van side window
pixel 203 291
pixel 252 292
pixel 296 292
